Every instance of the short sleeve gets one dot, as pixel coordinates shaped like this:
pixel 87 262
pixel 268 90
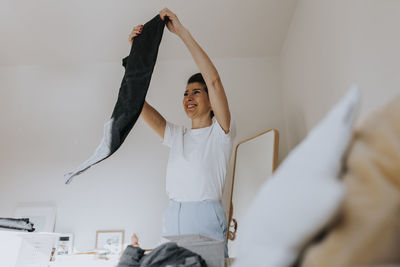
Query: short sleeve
pixel 232 130
pixel 171 130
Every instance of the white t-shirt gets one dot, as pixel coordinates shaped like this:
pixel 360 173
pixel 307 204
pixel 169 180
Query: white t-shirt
pixel 197 162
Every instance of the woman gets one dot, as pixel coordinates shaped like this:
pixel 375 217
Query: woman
pixel 199 156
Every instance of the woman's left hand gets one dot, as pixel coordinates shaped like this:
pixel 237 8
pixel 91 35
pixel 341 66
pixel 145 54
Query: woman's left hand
pixel 173 25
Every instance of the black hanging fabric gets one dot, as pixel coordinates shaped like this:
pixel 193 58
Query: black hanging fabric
pixel 139 66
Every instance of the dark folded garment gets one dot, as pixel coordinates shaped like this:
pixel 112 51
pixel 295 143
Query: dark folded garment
pixel 168 254
pixel 16 224
pixel 139 66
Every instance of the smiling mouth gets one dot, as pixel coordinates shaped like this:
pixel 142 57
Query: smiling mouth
pixel 191 106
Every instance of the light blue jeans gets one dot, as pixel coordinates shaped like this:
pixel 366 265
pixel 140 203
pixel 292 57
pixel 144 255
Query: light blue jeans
pixel 198 217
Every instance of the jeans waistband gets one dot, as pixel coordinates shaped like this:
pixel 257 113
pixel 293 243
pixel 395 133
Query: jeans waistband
pixel 193 203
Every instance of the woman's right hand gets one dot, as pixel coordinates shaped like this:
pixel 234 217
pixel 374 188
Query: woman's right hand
pixel 135 32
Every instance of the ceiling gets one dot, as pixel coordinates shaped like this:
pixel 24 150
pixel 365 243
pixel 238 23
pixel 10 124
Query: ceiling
pixel 76 31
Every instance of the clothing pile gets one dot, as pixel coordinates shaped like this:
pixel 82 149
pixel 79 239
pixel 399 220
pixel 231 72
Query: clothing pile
pixel 16 224
pixel 168 254
pixel 139 66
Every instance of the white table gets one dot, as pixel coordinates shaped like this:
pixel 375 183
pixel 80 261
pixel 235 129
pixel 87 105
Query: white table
pixel 83 260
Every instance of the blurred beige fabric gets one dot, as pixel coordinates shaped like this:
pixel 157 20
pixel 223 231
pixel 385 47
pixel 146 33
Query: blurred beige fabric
pixel 368 232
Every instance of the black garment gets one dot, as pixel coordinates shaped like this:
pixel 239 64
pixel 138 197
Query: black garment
pixel 17 224
pixel 168 254
pixel 139 66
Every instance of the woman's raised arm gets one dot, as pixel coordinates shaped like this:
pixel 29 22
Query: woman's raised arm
pixel 216 92
pixel 154 119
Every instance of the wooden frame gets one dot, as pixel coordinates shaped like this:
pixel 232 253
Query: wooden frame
pixel 231 235
pixel 116 232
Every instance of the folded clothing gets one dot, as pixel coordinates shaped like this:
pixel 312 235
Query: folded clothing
pixel 17 224
pixel 168 254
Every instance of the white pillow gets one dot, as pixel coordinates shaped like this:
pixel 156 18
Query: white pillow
pixel 302 196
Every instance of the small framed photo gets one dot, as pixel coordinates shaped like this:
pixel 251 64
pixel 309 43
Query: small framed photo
pixel 42 217
pixel 110 240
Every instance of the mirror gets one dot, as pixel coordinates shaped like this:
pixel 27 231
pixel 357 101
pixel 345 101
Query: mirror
pixel 255 160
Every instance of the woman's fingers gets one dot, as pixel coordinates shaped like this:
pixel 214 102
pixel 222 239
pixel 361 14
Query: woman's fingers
pixel 166 12
pixel 135 32
pixel 138 27
pixel 162 14
pixel 173 24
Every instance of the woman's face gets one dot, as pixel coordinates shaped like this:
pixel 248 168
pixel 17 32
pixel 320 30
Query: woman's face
pixel 195 101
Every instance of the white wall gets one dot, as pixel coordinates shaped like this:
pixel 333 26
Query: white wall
pixel 52 120
pixel 52 116
pixel 330 45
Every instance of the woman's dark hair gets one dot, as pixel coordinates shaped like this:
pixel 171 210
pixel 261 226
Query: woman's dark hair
pixel 198 78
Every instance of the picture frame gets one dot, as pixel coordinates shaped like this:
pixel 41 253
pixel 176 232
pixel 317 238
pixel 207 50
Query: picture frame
pixel 43 217
pixel 110 240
